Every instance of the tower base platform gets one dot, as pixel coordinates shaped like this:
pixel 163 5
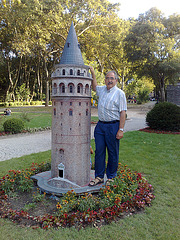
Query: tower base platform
pixel 59 186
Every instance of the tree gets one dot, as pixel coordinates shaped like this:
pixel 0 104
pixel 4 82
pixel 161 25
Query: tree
pixel 33 34
pixel 138 87
pixel 153 49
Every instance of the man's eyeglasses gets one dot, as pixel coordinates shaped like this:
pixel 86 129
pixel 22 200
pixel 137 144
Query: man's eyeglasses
pixel 110 78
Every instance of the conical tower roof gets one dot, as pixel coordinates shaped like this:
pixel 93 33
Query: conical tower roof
pixel 72 53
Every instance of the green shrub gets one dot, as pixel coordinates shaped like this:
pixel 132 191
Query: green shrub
pixel 13 125
pixel 164 116
pixel 143 96
pixel 2 104
pixel 33 103
pixel 11 104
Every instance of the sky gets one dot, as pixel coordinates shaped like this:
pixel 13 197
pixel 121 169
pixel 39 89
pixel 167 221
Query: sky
pixel 132 8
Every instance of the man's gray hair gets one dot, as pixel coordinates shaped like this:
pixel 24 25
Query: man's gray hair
pixel 115 74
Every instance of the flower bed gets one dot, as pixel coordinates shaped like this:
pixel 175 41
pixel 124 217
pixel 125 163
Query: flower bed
pixel 150 130
pixel 129 193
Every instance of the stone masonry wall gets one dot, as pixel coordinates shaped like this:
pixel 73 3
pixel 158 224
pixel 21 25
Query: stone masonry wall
pixel 71 138
pixel 173 94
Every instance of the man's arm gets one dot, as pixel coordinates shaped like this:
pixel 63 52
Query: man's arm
pixel 119 134
pixel 94 82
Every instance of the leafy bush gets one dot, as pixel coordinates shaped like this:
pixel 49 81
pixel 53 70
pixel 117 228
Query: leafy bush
pixel 33 103
pixel 143 96
pixel 13 125
pixel 164 116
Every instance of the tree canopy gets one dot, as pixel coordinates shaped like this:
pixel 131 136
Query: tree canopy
pixel 33 34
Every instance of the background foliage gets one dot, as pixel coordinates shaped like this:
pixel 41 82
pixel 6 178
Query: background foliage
pixel 33 33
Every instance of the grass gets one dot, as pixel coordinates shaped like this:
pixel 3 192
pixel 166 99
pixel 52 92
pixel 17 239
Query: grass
pixel 39 117
pixel 154 155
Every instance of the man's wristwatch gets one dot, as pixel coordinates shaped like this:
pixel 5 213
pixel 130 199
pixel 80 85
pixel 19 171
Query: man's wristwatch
pixel 121 129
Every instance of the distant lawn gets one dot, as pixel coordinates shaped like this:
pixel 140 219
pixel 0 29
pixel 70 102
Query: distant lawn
pixel 38 116
pixel 157 157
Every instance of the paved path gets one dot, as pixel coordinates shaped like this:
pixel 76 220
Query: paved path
pixel 18 145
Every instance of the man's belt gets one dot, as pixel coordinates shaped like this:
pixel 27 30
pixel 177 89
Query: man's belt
pixel 115 121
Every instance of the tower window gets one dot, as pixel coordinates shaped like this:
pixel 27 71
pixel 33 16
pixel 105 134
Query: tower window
pixel 70 103
pixel 68 44
pixel 80 88
pixel 63 72
pixel 55 88
pixel 78 72
pixel 87 89
pixel 70 112
pixel 86 112
pixel 71 72
pixel 71 87
pixel 61 88
pixel 79 103
pixel 54 111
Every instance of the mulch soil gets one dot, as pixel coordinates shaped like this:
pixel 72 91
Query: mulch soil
pixel 150 130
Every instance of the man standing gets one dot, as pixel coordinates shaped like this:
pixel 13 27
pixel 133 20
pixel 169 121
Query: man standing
pixel 112 108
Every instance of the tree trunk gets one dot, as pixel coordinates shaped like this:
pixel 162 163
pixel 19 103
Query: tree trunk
pixel 17 77
pixel 47 83
pixel 162 89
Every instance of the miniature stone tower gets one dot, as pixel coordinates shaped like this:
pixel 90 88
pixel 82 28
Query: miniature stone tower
pixel 71 118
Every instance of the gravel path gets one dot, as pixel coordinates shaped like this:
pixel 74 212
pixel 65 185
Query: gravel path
pixel 18 145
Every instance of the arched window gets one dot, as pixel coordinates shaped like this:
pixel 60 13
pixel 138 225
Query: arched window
pixel 61 88
pixel 63 72
pixel 87 112
pixel 78 72
pixel 71 72
pixel 71 88
pixel 55 88
pixel 54 111
pixel 87 89
pixel 80 88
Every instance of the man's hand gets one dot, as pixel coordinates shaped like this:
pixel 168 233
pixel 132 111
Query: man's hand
pixel 119 134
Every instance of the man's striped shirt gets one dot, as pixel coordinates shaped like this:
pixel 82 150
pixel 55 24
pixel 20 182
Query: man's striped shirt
pixel 111 103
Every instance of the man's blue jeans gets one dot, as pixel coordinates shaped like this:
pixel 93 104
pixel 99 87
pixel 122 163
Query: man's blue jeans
pixel 105 138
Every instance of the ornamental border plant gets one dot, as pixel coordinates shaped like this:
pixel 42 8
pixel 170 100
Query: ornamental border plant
pixel 129 193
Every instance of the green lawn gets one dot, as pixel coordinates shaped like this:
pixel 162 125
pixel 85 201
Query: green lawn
pixel 39 117
pixel 157 157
